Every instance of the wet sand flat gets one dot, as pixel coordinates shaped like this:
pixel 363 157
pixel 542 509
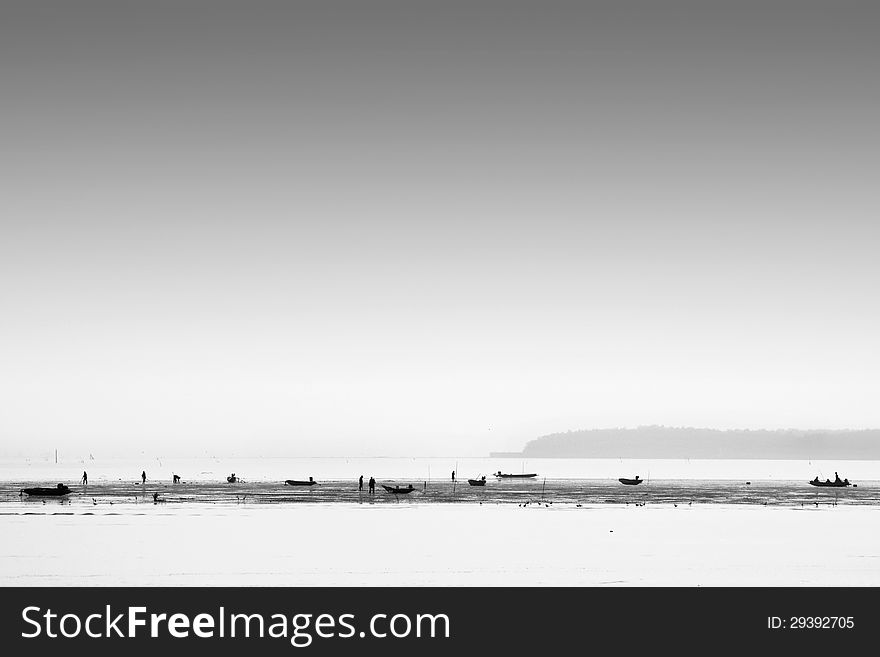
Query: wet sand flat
pixel 532 491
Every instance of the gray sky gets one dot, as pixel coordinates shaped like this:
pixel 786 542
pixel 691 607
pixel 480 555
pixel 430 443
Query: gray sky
pixel 431 228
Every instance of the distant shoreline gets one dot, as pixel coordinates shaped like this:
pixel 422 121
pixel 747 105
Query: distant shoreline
pixel 660 442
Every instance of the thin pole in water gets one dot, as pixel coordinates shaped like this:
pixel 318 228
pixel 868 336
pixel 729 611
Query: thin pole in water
pixel 542 489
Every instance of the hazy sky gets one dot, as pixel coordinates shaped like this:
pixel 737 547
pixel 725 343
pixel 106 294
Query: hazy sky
pixel 433 228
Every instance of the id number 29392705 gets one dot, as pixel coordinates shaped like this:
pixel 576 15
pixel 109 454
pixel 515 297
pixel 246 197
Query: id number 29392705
pixel 811 623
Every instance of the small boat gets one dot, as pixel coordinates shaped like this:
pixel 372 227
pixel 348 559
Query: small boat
pixel 477 482
pixel 38 491
pixel 232 479
pixel 399 490
pixel 630 482
pixel 830 484
pixel 501 475
pixel 300 482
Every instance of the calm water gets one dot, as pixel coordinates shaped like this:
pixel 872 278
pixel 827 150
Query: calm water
pixel 442 545
pixel 433 469
pixel 690 523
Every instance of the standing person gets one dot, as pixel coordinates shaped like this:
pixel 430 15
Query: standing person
pixel 372 485
pixel 360 483
pixel 85 478
pixel 453 475
pixel 144 477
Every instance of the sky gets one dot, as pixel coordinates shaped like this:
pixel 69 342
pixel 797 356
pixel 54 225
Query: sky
pixel 361 227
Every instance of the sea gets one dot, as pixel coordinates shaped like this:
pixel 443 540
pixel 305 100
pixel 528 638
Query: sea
pixel 690 523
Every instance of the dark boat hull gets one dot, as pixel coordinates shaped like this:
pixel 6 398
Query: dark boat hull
pixel 829 484
pixel 398 491
pixel 477 482
pixel 517 476
pixel 46 492
pixel 297 482
pixel 630 482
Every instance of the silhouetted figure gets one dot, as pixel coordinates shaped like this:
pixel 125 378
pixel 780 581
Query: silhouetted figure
pixel 453 475
pixel 176 479
pixel 85 478
pixel 361 483
pixel 155 498
pixel 410 486
pixel 372 485
pixel 816 480
pixel 144 477
pixel 836 478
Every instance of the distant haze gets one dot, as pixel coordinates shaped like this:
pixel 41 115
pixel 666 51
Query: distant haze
pixel 357 227
pixel 653 442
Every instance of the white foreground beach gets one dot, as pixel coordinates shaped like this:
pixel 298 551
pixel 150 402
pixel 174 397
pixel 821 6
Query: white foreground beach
pixel 443 545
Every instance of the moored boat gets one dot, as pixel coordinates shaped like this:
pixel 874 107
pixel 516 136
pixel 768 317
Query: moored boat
pixel 399 490
pixel 40 491
pixel 630 482
pixel 477 482
pixel 502 475
pixel 300 482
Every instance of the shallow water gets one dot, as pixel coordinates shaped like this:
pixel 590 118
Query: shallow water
pixel 342 544
pixel 700 523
